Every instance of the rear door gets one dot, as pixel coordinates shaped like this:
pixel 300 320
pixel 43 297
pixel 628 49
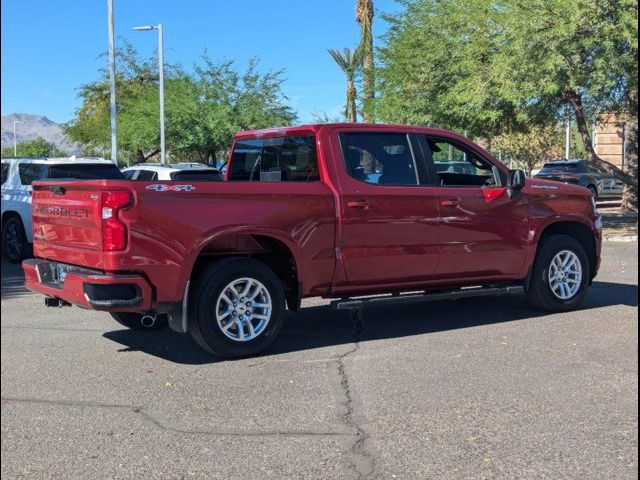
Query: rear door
pixel 483 231
pixel 389 210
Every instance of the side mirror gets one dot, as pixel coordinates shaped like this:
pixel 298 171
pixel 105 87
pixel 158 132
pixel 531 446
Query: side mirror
pixel 517 180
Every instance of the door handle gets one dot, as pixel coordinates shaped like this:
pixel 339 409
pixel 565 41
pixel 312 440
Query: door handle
pixel 360 205
pixel 452 203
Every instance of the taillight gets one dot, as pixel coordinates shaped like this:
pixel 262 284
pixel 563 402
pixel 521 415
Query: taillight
pixel 114 231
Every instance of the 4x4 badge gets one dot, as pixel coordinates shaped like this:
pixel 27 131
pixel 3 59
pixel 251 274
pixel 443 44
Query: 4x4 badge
pixel 171 188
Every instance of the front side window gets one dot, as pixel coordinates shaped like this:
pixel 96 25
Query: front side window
pixel 380 158
pixel 457 166
pixel 30 172
pixel 283 159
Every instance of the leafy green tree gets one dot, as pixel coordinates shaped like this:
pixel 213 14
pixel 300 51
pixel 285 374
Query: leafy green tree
pixel 527 150
pixel 493 66
pixel 350 62
pixel 364 17
pixel 36 148
pixel 203 109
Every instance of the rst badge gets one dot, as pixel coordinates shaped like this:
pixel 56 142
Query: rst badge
pixel 171 188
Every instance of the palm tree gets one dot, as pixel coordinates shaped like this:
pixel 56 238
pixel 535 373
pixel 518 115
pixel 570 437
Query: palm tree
pixel 364 17
pixel 350 62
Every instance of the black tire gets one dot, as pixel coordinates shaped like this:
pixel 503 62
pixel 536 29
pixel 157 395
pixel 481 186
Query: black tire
pixel 133 320
pixel 594 191
pixel 206 294
pixel 14 240
pixel 540 293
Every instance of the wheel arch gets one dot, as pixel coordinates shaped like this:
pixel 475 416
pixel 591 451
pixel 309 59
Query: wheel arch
pixel 581 232
pixel 271 248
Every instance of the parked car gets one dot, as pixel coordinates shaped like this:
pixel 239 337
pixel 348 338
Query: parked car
pixel 18 174
pixel 584 173
pixel 195 172
pixel 297 218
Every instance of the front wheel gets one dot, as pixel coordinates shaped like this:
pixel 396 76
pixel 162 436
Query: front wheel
pixel 14 240
pixel 237 308
pixel 140 321
pixel 561 275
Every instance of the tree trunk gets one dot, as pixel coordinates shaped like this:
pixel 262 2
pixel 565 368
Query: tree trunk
pixel 630 197
pixel 574 99
pixel 364 16
pixel 352 109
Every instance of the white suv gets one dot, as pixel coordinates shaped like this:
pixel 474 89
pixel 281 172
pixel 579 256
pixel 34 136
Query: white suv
pixel 177 172
pixel 17 176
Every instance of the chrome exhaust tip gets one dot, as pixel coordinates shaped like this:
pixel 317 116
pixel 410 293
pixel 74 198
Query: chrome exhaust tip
pixel 148 320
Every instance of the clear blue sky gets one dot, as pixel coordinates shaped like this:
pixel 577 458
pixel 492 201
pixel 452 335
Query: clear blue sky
pixel 49 48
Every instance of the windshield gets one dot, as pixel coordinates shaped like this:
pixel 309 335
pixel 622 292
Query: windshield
pixel 85 171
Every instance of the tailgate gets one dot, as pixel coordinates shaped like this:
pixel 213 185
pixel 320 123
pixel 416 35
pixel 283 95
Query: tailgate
pixel 67 214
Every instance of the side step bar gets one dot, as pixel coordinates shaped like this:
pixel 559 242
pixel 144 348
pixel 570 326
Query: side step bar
pixel 409 298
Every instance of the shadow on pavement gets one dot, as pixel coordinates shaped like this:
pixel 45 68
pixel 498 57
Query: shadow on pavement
pixel 12 280
pixel 319 327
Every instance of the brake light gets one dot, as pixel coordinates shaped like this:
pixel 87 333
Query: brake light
pixel 114 231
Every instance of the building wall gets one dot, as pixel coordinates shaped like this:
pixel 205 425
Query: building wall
pixel 609 139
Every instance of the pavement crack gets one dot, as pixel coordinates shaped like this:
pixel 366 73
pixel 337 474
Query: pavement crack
pixel 151 419
pixel 362 462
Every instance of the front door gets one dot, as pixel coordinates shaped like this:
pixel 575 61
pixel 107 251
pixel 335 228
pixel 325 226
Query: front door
pixel 483 231
pixel 389 210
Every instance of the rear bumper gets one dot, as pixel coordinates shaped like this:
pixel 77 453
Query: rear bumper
pixel 88 288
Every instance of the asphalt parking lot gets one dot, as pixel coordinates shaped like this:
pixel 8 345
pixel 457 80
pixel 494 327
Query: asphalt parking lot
pixel 479 388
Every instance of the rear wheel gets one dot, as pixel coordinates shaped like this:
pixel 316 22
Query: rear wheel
pixel 560 276
pixel 14 240
pixel 237 308
pixel 140 321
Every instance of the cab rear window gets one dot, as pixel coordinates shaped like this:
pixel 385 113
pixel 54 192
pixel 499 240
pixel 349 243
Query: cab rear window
pixel 283 159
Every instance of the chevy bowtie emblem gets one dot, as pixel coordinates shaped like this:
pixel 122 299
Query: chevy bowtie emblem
pixel 171 188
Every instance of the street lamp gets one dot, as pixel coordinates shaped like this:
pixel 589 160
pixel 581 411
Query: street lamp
pixel 146 28
pixel 15 141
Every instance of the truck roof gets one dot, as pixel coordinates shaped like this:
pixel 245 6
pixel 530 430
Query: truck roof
pixel 58 160
pixel 300 129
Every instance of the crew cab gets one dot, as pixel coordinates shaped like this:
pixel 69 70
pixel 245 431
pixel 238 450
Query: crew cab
pixel 351 212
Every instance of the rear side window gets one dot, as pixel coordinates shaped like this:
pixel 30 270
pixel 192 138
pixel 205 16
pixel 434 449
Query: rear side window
pixel 380 158
pixel 87 171
pixel 5 172
pixel 197 176
pixel 147 175
pixel 30 172
pixel 284 159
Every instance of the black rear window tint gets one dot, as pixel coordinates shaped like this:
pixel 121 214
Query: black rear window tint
pixel 87 171
pixel 197 176
pixel 30 172
pixel 5 172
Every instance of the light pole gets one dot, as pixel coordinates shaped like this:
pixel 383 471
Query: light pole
pixel 15 141
pixel 163 152
pixel 112 84
pixel 568 141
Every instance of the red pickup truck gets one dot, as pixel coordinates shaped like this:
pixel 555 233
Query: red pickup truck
pixel 335 211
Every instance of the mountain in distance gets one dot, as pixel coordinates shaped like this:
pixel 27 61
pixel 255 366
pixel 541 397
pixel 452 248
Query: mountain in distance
pixel 34 126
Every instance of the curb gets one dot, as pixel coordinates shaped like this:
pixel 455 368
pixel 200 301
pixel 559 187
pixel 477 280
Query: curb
pixel 621 238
